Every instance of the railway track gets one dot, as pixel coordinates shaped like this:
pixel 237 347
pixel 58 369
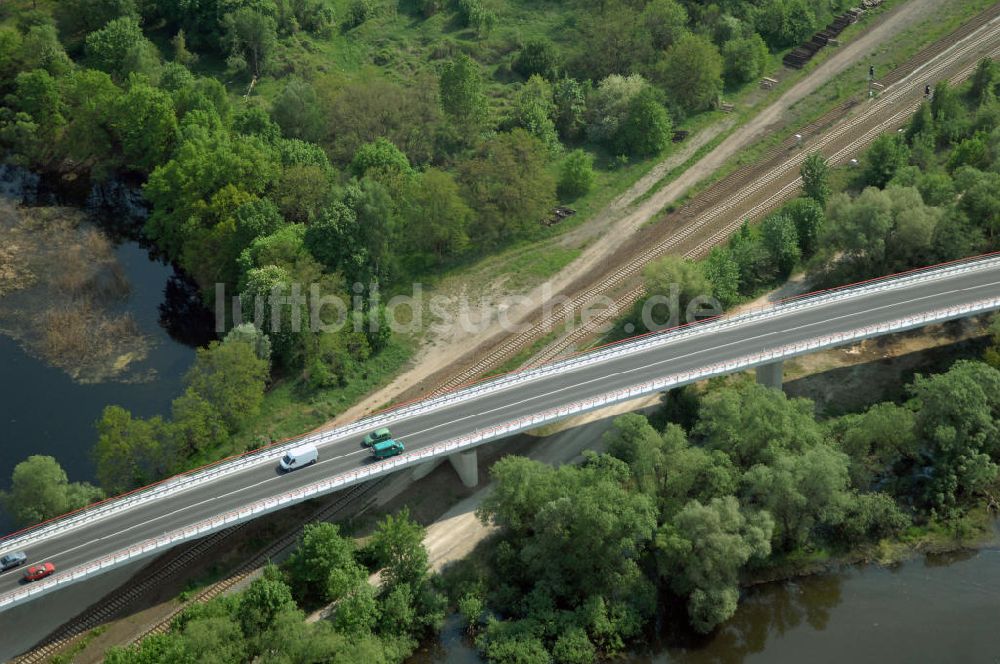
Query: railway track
pixel 787 190
pixel 343 502
pixel 709 212
pixel 708 219
pixel 114 604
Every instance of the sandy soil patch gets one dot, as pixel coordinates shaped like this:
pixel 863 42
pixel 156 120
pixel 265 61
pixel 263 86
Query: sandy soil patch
pixel 608 229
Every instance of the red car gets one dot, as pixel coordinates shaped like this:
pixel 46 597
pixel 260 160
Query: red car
pixel 36 572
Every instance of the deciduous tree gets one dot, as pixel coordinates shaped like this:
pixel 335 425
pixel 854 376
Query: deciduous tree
pixel 231 378
pixel 509 186
pixel 132 452
pixel 537 57
pixel 781 238
pixel 462 94
pixel 744 59
pixel 672 274
pixel 144 123
pixel 885 156
pixel 614 39
pixel 436 218
pixel 323 555
pixel 398 548
pixel 76 17
pixel 807 215
pixel 533 110
pixel 570 99
pixel 723 273
pixel 957 425
pixel 666 22
pixel 196 424
pixel 784 23
pixel 576 175
pixel 691 73
pixel 753 424
pixel 879 232
pixel 647 127
pixel 802 491
pixel 380 158
pixel 252 37
pixel 118 47
pixel 262 601
pixel 815 178
pixel 297 111
pixel 40 490
pixel 702 550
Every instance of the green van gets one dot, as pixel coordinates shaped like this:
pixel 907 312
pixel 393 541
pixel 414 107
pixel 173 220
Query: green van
pixel 376 436
pixel 386 449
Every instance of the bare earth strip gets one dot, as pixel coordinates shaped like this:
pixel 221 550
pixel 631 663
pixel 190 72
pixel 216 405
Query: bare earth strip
pixel 613 228
pixel 444 358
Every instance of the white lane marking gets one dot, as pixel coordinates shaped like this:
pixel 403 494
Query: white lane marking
pixel 557 391
pixel 191 506
pixel 676 358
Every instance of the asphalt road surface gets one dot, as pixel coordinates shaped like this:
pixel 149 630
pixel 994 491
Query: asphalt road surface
pixel 117 532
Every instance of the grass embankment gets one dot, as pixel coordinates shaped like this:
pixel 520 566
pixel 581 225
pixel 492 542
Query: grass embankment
pixel 69 655
pixel 853 82
pixel 289 410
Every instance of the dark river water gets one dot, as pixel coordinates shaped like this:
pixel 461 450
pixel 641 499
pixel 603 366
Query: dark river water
pixel 42 410
pixel 938 609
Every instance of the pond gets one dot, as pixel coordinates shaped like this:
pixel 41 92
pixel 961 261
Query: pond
pixel 43 410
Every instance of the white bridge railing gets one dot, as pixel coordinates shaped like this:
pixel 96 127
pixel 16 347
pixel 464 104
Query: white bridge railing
pixel 156 544
pixel 210 473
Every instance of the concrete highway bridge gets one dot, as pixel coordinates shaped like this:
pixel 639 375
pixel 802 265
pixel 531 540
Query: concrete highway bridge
pixel 189 506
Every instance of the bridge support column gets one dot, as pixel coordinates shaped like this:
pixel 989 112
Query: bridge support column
pixel 424 469
pixel 466 464
pixel 771 375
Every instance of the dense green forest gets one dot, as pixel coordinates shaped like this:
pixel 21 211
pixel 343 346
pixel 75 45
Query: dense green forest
pixel 266 621
pixel 357 141
pixel 919 197
pixel 353 145
pixel 734 481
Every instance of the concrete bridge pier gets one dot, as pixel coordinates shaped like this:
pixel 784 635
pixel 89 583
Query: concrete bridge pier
pixel 466 464
pixel 771 375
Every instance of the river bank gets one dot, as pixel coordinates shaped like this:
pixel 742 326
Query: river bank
pixel 870 367
pixel 933 607
pixel 937 608
pixel 73 254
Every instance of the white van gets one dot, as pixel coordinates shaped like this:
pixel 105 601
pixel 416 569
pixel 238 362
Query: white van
pixel 299 457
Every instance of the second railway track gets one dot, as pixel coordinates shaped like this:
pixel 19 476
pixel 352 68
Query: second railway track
pixel 708 219
pixel 114 604
pixel 703 213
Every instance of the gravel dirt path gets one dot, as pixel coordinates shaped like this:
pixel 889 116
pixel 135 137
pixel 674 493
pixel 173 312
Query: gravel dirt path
pixel 609 229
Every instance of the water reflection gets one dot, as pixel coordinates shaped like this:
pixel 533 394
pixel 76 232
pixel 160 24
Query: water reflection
pixel 42 410
pixel 938 608
pixel 182 313
pixel 766 611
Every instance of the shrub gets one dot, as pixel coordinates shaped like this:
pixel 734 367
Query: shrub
pixel 537 56
pixel 477 16
pixel 359 12
pixel 576 175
